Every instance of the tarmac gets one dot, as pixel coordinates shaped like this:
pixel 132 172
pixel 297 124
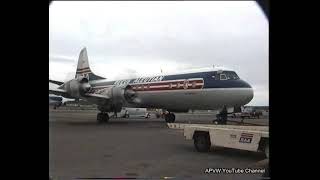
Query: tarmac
pixel 79 147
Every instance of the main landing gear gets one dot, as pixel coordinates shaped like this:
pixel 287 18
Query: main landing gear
pixel 169 117
pixel 102 117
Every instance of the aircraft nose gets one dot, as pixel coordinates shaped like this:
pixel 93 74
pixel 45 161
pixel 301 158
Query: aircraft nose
pixel 250 94
pixel 245 84
pixel 248 91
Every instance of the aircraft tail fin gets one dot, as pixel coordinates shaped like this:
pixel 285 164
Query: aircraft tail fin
pixel 83 68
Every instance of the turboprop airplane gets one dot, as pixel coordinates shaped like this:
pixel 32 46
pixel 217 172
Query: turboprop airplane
pixel 212 89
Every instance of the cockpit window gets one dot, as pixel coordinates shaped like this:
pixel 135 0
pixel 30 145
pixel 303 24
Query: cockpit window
pixel 225 75
pixel 231 75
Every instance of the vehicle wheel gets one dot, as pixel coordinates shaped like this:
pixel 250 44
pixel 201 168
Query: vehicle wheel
pixel 99 117
pixel 167 118
pixel 105 117
pixel 267 172
pixel 172 117
pixel 202 142
pixel 147 116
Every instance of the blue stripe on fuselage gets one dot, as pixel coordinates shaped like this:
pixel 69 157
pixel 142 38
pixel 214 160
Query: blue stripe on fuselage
pixel 209 81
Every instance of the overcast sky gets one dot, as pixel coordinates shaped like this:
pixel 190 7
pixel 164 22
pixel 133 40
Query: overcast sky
pixel 129 39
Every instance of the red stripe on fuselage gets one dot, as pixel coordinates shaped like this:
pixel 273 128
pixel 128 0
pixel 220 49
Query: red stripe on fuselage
pixel 172 85
pixel 166 82
pixel 165 85
pixel 166 88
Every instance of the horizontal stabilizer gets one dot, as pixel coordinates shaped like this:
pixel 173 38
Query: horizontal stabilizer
pixel 56 82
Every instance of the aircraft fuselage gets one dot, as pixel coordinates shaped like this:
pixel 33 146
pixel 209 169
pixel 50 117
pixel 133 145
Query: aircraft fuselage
pixel 208 90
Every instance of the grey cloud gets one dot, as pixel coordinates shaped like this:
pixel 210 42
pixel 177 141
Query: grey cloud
pixel 63 59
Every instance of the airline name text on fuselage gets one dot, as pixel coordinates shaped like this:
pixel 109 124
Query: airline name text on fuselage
pixel 139 80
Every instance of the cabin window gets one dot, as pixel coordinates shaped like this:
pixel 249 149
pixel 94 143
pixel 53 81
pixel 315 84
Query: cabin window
pixel 223 77
pixel 193 84
pixel 185 84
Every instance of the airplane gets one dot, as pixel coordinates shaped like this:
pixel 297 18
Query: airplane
pixel 213 89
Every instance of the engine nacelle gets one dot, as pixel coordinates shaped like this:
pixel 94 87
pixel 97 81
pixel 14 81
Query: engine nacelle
pixel 119 96
pixel 77 87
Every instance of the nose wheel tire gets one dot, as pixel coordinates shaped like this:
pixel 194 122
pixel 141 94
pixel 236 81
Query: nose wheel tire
pixel 102 117
pixel 170 118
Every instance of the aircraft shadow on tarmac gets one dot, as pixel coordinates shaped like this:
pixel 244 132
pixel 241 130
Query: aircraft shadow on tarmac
pixel 121 122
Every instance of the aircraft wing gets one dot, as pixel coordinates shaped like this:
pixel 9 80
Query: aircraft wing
pixel 54 88
pixel 59 92
pixel 99 99
pixel 89 96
